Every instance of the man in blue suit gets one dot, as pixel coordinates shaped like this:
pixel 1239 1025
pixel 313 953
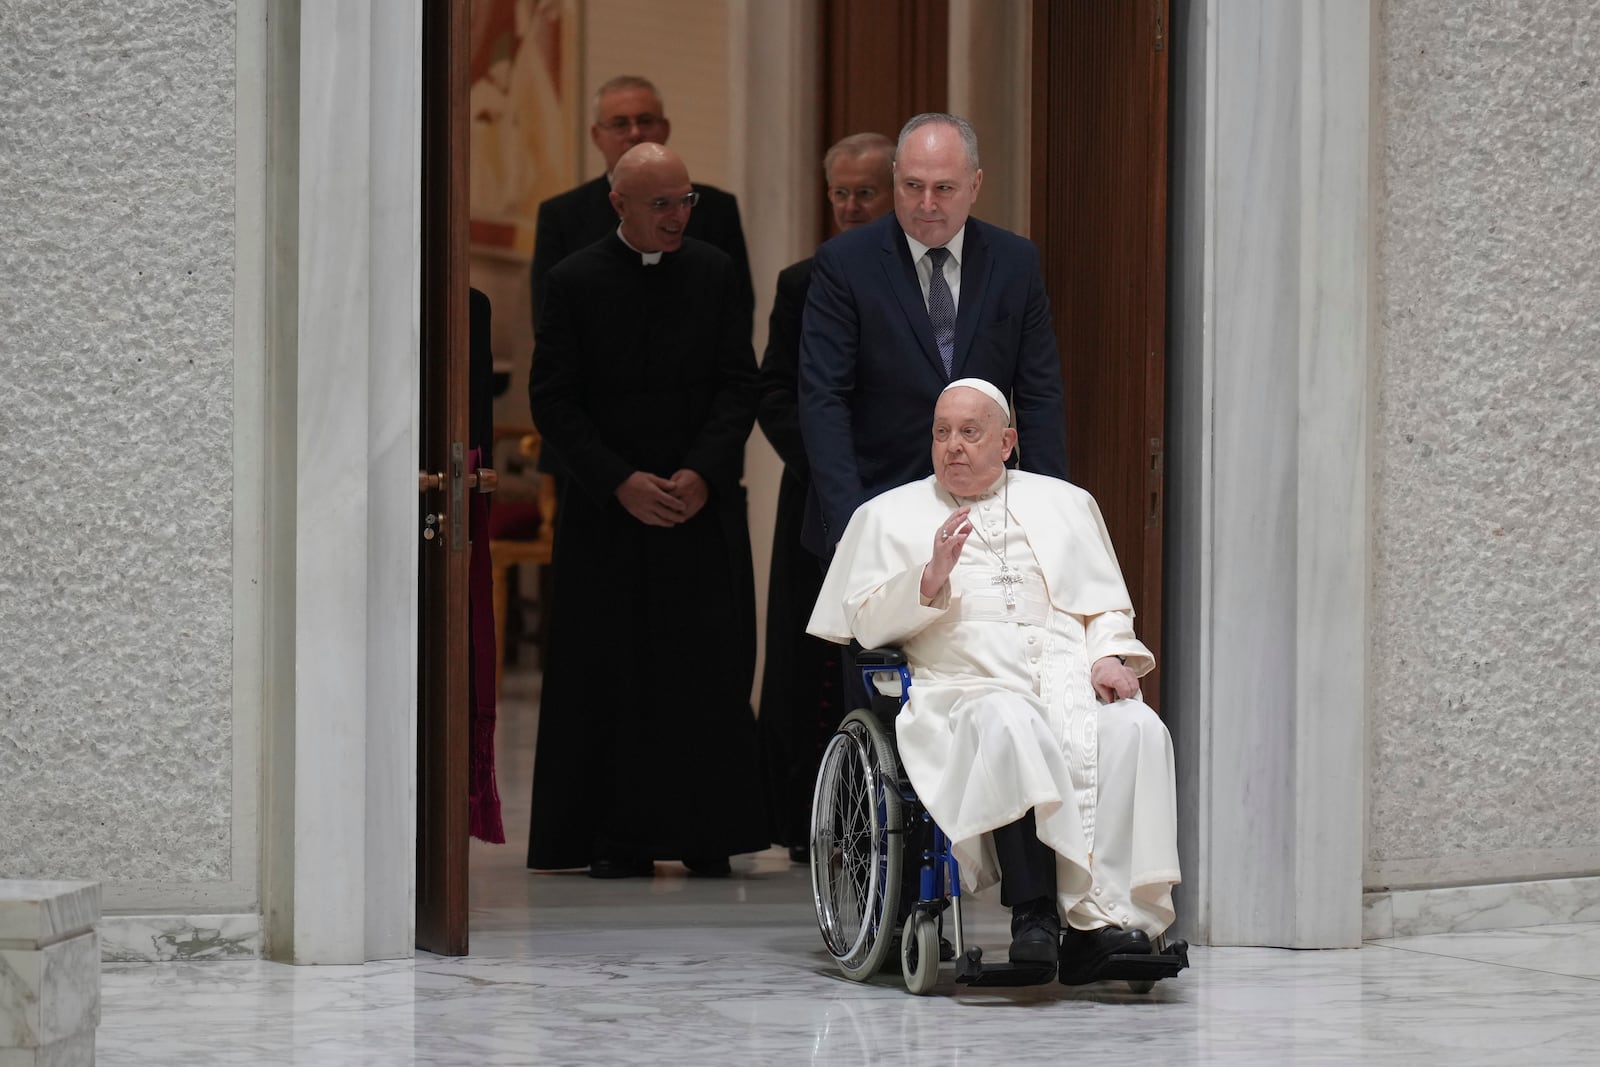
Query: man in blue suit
pixel 901 307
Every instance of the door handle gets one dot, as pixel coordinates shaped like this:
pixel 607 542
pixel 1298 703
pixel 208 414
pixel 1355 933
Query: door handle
pixel 449 525
pixel 484 480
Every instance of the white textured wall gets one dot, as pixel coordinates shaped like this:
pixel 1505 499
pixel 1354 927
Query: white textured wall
pixel 1486 645
pixel 116 427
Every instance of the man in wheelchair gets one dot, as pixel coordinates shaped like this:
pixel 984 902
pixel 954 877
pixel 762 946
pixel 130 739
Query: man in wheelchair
pixel 1023 734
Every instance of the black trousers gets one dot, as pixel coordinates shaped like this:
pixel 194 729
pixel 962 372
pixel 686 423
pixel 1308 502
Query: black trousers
pixel 1027 865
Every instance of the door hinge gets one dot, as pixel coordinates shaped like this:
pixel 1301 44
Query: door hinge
pixel 1157 9
pixel 457 513
pixel 1152 483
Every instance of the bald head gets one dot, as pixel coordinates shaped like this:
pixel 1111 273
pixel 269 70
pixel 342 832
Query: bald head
pixel 646 163
pixel 652 196
pixel 936 177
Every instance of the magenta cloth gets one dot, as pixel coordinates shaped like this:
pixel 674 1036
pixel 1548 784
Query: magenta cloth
pixel 514 520
pixel 483 796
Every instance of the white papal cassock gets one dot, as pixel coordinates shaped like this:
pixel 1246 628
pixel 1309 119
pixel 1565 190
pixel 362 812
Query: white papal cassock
pixel 1002 717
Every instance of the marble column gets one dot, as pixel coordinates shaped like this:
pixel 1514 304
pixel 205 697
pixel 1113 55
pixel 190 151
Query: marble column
pixel 1268 521
pixel 775 168
pixel 345 162
pixel 773 131
pixel 49 973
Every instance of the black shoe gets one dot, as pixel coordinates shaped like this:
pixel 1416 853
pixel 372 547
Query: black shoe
pixel 708 866
pixel 799 854
pixel 1035 931
pixel 609 867
pixel 1083 951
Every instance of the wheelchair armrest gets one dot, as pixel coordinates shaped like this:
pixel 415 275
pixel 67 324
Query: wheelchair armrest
pixel 872 664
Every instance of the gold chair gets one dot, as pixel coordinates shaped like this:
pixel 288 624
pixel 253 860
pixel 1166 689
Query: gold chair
pixel 511 551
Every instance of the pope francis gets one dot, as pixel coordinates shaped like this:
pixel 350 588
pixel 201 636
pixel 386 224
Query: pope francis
pixel 1024 734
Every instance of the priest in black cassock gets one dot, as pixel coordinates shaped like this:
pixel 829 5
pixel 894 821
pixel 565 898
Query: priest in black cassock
pixel 628 111
pixel 646 382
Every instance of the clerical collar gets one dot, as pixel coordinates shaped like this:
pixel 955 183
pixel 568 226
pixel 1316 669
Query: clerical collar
pixel 649 259
pixel 988 494
pixel 956 243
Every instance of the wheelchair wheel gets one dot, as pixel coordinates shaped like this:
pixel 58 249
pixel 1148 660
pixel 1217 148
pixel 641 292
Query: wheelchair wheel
pixel 855 862
pixel 919 953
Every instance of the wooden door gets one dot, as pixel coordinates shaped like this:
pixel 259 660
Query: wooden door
pixel 1099 208
pixel 442 638
pixel 882 62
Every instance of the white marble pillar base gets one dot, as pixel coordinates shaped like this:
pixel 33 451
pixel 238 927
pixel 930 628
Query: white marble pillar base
pixel 167 938
pixel 75 1051
pixel 49 993
pixel 1457 909
pixel 49 973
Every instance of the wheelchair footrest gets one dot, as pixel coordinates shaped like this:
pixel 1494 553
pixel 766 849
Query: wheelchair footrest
pixel 971 970
pixel 1147 967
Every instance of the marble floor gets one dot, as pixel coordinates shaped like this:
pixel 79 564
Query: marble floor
pixel 568 970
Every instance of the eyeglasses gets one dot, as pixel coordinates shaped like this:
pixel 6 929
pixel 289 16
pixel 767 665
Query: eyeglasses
pixel 622 123
pixel 841 195
pixel 663 204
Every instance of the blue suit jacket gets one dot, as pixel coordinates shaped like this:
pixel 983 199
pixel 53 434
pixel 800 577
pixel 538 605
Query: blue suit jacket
pixel 870 373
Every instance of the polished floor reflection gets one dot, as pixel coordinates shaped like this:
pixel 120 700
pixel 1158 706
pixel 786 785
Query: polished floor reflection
pixel 568 970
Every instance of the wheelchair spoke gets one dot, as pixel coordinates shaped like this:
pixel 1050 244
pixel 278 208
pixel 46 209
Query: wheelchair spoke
pixel 855 869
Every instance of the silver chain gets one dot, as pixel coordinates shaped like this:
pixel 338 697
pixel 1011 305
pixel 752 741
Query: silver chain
pixel 1006 504
pixel 1007 578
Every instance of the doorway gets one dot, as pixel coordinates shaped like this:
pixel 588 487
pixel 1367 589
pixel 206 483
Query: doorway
pixel 1098 144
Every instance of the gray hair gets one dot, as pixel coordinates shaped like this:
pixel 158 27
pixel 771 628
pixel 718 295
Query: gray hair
pixel 626 81
pixel 855 146
pixel 969 136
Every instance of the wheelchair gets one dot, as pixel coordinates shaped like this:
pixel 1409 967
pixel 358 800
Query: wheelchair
pixel 868 829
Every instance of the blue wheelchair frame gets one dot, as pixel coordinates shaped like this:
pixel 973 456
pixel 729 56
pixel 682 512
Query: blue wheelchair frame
pixel 921 947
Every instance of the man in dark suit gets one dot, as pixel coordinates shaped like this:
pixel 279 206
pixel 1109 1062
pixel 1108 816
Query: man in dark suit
pixel 801 703
pixel 899 308
pixel 628 111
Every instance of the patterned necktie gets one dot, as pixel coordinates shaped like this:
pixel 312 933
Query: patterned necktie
pixel 942 309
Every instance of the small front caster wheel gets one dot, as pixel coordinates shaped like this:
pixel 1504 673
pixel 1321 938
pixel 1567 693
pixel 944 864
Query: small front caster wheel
pixel 919 953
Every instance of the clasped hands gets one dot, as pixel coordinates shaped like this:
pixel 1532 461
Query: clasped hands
pixel 657 501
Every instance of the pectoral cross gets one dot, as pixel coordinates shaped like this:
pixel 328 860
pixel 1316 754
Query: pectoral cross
pixel 1006 579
